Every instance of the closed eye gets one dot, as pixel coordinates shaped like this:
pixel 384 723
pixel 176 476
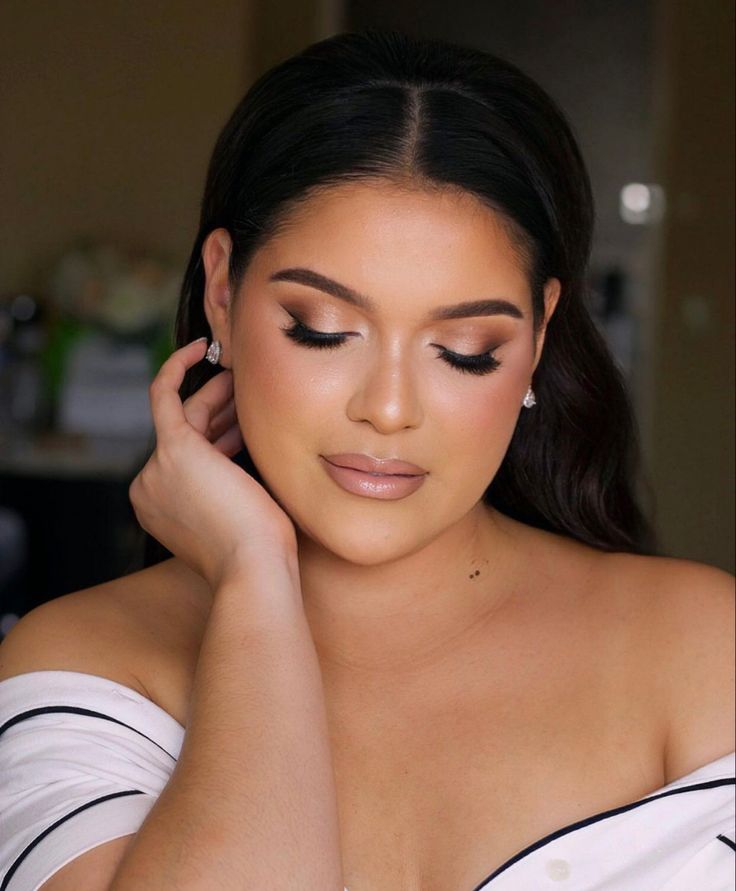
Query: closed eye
pixel 482 363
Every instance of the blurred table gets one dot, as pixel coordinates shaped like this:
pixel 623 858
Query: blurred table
pixel 71 493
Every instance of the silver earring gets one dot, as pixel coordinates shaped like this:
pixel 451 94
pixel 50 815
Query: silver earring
pixel 529 399
pixel 214 351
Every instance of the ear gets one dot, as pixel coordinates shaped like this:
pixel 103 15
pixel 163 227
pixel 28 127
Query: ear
pixel 552 289
pixel 217 295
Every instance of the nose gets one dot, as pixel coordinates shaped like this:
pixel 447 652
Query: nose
pixel 388 395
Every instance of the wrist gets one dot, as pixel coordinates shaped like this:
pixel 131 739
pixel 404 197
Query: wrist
pixel 265 580
pixel 243 558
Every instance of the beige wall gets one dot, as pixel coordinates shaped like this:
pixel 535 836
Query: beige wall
pixel 108 114
pixel 280 29
pixel 692 458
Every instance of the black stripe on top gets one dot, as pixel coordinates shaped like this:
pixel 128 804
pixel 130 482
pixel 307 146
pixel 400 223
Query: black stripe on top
pixel 70 709
pixel 727 840
pixel 710 784
pixel 27 850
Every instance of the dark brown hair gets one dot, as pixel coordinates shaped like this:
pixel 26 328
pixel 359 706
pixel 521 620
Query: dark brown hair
pixel 383 104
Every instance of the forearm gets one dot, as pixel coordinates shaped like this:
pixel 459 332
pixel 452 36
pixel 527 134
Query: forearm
pixel 251 803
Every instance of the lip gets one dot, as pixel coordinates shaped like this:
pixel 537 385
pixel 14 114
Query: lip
pixel 368 464
pixel 387 487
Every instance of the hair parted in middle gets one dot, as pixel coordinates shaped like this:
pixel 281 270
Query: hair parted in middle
pixel 432 115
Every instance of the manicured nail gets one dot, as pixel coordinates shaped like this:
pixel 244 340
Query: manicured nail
pixel 199 340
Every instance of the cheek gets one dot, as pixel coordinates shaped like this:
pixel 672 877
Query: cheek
pixel 257 386
pixel 478 415
pixel 278 398
pixel 471 437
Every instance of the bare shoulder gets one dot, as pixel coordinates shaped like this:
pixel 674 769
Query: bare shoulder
pixel 688 612
pixel 142 630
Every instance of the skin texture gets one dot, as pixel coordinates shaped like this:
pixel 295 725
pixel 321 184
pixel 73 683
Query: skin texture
pixel 386 584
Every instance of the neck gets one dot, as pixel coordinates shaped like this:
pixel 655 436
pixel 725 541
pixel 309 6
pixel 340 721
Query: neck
pixel 406 615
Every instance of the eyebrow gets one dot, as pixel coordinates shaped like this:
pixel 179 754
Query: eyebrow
pixel 465 310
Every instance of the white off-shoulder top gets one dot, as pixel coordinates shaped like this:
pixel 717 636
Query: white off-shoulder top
pixel 83 759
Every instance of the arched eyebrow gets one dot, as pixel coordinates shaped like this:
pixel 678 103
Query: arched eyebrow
pixel 466 310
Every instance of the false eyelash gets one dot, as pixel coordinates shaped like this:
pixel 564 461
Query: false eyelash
pixel 311 338
pixel 483 363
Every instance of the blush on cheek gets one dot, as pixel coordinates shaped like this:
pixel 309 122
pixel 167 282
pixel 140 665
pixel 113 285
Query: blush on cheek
pixel 475 410
pixel 475 431
pixel 279 398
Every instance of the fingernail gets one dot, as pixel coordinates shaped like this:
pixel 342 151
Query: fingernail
pixel 199 340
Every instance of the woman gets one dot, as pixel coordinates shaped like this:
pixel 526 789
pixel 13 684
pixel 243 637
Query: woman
pixel 423 642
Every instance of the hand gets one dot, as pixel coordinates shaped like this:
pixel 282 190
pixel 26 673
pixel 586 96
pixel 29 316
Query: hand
pixel 189 495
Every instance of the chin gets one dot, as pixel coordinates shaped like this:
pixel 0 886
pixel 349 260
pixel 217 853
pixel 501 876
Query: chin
pixel 361 544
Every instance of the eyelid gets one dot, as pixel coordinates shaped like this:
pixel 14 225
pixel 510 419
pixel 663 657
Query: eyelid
pixel 302 324
pixel 491 349
pixel 477 363
pixel 345 334
pixel 300 321
pixel 303 334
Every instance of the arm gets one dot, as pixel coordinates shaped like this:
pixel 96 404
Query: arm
pixel 251 803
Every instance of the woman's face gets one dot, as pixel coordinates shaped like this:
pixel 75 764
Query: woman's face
pixel 386 391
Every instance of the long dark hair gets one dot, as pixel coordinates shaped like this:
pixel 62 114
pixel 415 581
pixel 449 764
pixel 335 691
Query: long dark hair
pixel 384 104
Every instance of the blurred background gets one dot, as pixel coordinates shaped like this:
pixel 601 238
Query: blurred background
pixel 108 114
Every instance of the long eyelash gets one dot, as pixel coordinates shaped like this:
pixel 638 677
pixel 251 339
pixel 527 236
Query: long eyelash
pixel 483 363
pixel 315 339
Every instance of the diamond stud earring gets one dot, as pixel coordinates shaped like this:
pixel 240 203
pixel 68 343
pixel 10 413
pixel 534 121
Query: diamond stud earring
pixel 214 351
pixel 529 399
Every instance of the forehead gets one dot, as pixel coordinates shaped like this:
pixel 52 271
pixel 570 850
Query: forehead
pixel 385 238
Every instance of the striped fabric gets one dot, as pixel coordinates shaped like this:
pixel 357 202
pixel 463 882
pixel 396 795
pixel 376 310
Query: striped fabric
pixel 83 759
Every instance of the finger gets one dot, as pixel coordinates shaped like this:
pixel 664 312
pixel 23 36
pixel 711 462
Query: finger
pixel 166 405
pixel 231 442
pixel 203 406
pixel 223 420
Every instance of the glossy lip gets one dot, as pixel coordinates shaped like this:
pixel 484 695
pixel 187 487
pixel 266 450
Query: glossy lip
pixel 387 487
pixel 369 464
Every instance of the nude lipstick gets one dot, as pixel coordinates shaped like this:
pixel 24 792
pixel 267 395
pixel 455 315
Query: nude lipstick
pixel 384 478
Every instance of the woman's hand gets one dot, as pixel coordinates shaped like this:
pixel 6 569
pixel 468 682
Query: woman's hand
pixel 189 495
